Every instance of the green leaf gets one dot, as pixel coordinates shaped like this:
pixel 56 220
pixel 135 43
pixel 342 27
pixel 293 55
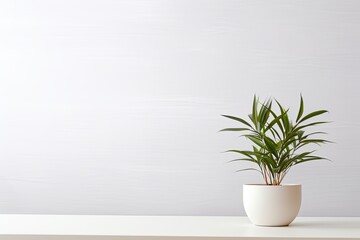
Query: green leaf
pixel 255 140
pixel 310 141
pixel 315 141
pixel 287 144
pixel 301 156
pixel 284 117
pixel 286 122
pixel 310 134
pixel 239 120
pixel 313 114
pixel 301 109
pixel 286 164
pixel 234 129
pixel 269 161
pixel 290 136
pixel 308 125
pixel 271 145
pixel 254 114
pixel 311 158
pixel 279 124
pixel 249 169
pixel 264 113
pixel 276 120
pixel 243 159
pixel 275 133
pixel 248 153
pixel 283 158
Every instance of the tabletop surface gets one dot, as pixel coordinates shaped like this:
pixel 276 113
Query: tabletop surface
pixel 177 226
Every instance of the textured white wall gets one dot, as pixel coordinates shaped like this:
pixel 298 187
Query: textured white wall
pixel 113 107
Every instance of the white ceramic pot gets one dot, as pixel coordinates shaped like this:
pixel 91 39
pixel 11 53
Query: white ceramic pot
pixel 267 205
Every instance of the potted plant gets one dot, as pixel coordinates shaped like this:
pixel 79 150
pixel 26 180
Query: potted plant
pixel 277 145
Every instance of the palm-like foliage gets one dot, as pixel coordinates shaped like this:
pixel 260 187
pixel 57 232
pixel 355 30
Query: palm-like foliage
pixel 277 141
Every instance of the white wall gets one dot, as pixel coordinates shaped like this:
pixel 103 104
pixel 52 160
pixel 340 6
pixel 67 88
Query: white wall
pixel 113 107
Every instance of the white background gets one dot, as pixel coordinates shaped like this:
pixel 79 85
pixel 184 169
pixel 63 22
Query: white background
pixel 113 107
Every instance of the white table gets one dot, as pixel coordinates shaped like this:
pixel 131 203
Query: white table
pixel 112 227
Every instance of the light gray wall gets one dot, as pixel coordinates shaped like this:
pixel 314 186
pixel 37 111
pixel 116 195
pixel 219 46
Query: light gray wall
pixel 113 107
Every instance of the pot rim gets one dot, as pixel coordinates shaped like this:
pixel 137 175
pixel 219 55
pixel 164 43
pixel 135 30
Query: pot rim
pixel 264 185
